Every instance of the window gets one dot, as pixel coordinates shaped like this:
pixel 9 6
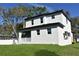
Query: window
pixel 38 32
pixel 68 34
pixel 49 30
pixel 65 36
pixel 32 22
pixel 66 21
pixel 53 17
pixel 26 34
pixel 41 19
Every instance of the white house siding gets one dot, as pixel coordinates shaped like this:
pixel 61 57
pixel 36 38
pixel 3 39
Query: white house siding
pixel 56 37
pixel 23 40
pixel 68 29
pixel 67 26
pixel 46 20
pixel 37 22
pixel 44 37
pixel 67 23
pixel 28 24
pixel 62 41
pixel 57 18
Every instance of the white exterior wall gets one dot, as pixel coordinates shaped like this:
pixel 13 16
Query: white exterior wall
pixel 37 22
pixel 47 20
pixel 58 18
pixel 67 27
pixel 44 37
pixel 56 37
pixel 67 24
pixel 62 40
pixel 23 40
pixel 28 24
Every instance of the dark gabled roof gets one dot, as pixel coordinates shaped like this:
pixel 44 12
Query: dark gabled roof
pixel 51 25
pixel 52 13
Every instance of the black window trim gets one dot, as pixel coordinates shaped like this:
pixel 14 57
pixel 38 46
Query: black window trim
pixel 38 32
pixel 41 19
pixel 49 31
pixel 53 16
pixel 32 22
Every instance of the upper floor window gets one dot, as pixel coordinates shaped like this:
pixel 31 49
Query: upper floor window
pixel 53 17
pixel 66 21
pixel 38 32
pixel 41 19
pixel 49 30
pixel 32 22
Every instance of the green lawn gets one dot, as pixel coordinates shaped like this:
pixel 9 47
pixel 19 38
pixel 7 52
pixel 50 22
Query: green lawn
pixel 38 50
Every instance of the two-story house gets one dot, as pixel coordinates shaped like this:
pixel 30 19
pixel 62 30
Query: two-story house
pixel 48 28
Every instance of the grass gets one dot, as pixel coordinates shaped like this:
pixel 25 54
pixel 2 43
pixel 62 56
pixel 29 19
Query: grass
pixel 39 50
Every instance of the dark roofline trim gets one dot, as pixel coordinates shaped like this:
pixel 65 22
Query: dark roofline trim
pixel 42 26
pixel 48 14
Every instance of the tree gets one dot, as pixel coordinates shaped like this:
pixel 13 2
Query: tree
pixel 75 27
pixel 13 16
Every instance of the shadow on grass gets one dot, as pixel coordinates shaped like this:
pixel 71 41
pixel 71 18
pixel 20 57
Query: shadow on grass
pixel 44 52
pixel 76 47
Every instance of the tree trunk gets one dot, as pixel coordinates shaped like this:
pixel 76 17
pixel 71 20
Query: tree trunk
pixel 13 26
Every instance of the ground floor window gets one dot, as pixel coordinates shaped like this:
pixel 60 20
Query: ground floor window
pixel 49 30
pixel 38 32
pixel 66 34
pixel 26 34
